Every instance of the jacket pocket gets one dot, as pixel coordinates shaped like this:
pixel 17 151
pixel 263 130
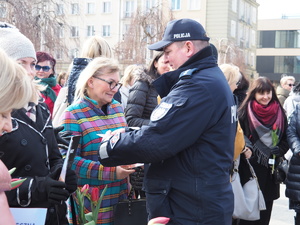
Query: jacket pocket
pixel 157 192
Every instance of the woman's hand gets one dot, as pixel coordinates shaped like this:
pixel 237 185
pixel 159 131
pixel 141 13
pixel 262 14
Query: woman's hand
pixel 247 152
pixel 122 172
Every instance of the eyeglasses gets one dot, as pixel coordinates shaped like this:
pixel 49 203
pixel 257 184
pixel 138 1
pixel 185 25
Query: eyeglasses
pixel 44 68
pixel 112 84
pixel 291 85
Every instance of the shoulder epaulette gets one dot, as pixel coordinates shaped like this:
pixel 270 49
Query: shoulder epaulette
pixel 187 73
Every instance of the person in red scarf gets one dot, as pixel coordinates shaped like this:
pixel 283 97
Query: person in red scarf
pixel 260 115
pixel 45 72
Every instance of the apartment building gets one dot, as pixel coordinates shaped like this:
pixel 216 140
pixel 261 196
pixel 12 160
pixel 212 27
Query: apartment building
pixel 278 50
pixel 231 24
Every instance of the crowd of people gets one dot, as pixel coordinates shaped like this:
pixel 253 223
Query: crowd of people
pixel 179 116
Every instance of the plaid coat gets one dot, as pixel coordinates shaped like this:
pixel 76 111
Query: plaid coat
pixel 84 118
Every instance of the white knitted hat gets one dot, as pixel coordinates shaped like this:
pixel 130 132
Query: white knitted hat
pixel 14 43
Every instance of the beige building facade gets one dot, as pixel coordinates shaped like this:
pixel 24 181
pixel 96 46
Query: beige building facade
pixel 231 24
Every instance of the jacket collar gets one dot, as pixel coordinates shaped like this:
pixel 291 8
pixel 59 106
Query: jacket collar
pixel 202 59
pixel 43 117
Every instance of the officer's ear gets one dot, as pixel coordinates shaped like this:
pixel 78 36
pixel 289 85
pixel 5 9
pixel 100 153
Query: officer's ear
pixel 190 48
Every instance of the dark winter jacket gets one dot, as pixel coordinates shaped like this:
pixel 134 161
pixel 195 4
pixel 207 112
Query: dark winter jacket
pixel 32 149
pixel 141 101
pixel 293 176
pixel 189 143
pixel 78 65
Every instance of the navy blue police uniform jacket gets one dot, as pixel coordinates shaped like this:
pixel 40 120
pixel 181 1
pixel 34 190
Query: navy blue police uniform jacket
pixel 188 143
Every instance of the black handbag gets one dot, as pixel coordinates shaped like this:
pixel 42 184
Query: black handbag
pixel 281 170
pixel 131 211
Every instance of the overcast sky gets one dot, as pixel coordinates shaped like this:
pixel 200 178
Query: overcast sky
pixel 273 9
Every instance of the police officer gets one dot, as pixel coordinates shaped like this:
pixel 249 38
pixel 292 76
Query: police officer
pixel 189 140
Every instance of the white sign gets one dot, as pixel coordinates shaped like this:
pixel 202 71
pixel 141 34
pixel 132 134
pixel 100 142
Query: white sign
pixel 29 216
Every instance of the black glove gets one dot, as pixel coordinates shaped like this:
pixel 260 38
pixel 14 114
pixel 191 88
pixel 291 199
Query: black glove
pixel 136 178
pixel 71 181
pixel 56 191
pixel 275 151
pixel 62 138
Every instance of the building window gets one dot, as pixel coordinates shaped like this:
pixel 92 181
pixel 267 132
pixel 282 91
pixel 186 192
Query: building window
pixel 59 54
pixel 90 8
pixel 126 28
pixel 234 5
pixel 194 4
pixel 90 31
pixel 60 32
pixel 106 30
pixel 233 29
pixel 253 15
pixel 150 4
pixel 74 53
pixel 74 9
pixel 242 11
pixel 287 64
pixel 279 39
pixel 60 9
pixel 175 4
pixel 74 31
pixel 106 7
pixel 129 8
pixel 287 39
pixel 253 37
pixel 251 58
pixel 247 13
pixel 2 10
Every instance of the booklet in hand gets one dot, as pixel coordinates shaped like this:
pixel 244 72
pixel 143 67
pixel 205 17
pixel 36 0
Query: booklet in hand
pixel 69 157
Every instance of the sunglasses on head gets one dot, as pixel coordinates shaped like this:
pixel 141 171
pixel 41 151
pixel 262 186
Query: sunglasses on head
pixel 44 68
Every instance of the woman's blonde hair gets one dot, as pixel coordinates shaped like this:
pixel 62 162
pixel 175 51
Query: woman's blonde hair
pixel 96 46
pixel 16 87
pixel 231 73
pixel 98 66
pixel 129 75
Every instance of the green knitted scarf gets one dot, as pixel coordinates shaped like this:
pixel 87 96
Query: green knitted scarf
pixel 49 83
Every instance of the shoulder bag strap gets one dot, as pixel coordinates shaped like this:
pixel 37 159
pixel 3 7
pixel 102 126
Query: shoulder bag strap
pixel 253 173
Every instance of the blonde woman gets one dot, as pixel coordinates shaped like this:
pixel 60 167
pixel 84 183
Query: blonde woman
pixel 93 47
pixel 32 147
pixel 233 76
pixel 127 82
pixel 94 112
pixel 16 89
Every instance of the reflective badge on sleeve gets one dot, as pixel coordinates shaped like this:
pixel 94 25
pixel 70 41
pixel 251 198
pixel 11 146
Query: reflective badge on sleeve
pixel 160 111
pixel 103 150
pixel 113 141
